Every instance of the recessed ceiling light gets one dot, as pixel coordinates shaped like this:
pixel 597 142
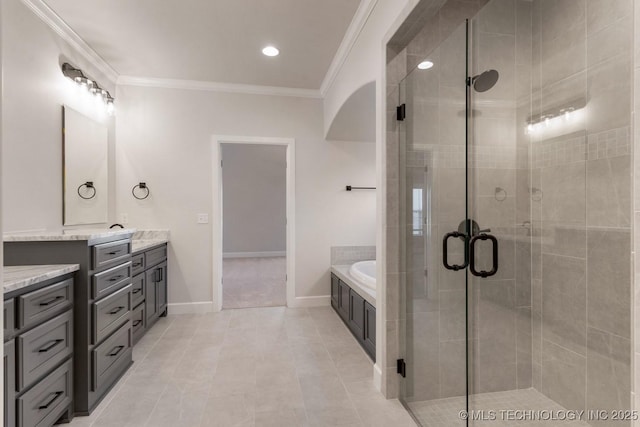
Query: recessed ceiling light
pixel 425 65
pixel 270 51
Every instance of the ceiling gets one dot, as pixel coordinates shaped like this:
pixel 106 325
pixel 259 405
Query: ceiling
pixel 213 40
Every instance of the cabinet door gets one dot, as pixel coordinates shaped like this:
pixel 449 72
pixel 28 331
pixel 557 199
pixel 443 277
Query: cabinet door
pixel 356 314
pixel 343 301
pixel 150 299
pixel 334 291
pixel 161 288
pixel 370 330
pixel 9 383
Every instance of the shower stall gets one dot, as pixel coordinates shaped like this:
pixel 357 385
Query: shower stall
pixel 515 218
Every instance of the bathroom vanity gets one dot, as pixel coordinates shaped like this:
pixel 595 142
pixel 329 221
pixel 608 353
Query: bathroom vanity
pixel 102 301
pixel 38 344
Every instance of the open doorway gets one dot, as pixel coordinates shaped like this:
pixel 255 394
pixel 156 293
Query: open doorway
pixel 254 215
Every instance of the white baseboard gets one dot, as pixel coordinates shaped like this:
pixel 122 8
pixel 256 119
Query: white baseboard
pixel 320 301
pixel 377 377
pixel 254 254
pixel 190 307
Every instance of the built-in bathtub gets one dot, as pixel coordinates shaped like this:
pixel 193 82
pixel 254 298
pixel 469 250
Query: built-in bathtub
pixel 365 272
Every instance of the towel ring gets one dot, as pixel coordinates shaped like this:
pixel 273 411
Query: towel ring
pixel 142 186
pixel 89 185
pixel 500 194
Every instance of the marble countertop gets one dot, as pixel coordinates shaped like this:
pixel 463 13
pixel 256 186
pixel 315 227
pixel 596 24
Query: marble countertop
pixel 139 245
pixel 78 234
pixel 342 271
pixel 21 276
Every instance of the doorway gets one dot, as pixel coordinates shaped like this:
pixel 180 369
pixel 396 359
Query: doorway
pixel 253 216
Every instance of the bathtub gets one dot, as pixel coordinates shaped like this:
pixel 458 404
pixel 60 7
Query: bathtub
pixel 365 272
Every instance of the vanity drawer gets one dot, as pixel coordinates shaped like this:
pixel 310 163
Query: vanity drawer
pixel 37 306
pixel 137 264
pixel 110 312
pixel 155 256
pixel 48 400
pixel 111 357
pixel 110 253
pixel 137 291
pixel 9 318
pixel 138 322
pixel 42 348
pixel 110 280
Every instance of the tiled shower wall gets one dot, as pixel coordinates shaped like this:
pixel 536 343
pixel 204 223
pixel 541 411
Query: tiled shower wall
pixel 581 56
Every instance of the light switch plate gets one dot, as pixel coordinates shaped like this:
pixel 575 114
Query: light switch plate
pixel 203 218
pixel 124 218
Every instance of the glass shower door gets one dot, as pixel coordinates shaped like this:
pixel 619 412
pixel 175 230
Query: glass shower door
pixel 433 159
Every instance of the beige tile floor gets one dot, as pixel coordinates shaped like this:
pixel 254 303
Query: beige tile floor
pixel 254 282
pixel 248 367
pixel 446 412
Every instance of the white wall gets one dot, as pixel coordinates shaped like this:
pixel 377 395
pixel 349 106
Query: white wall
pixel 164 137
pixel 34 92
pixel 254 179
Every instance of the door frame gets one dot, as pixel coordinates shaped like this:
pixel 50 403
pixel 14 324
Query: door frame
pixel 217 218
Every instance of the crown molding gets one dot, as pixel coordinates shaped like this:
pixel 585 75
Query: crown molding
pixel 49 17
pixel 353 31
pixel 217 87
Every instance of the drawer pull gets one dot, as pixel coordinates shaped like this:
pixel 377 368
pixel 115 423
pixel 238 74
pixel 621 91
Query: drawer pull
pixel 137 264
pixel 137 322
pixel 50 346
pixel 50 401
pixel 116 351
pixel 116 310
pixel 51 301
pixel 135 291
pixel 114 252
pixel 116 278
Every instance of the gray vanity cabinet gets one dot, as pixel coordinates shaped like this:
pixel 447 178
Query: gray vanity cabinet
pixel 149 289
pixel 102 305
pixel 38 355
pixel 356 313
pixel 9 383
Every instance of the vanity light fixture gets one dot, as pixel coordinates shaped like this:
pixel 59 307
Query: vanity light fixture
pixel 270 51
pixel 79 77
pixel 425 65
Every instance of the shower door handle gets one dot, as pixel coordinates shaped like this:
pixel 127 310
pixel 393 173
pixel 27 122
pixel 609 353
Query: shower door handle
pixel 472 255
pixel 445 251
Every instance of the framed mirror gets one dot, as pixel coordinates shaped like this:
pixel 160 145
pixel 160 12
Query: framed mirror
pixel 85 169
